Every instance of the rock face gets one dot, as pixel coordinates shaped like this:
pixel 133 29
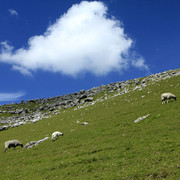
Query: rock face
pixel 34 110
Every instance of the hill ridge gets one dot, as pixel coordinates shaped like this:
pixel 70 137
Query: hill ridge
pixel 123 132
pixel 14 115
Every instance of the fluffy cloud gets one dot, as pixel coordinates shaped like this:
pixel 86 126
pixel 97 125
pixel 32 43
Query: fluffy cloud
pixel 140 63
pixel 11 96
pixel 13 12
pixel 83 40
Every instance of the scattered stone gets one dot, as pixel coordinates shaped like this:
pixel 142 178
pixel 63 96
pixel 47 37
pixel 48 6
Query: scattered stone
pixel 34 143
pixel 85 123
pixel 89 99
pixel 37 109
pixel 82 91
pixel 141 118
pixel 30 144
pixel 5 127
pixel 33 121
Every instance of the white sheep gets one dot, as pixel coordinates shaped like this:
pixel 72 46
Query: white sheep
pixel 55 135
pixel 12 143
pixel 167 96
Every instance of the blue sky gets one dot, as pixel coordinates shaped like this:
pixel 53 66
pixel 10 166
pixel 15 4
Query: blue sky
pixel 50 47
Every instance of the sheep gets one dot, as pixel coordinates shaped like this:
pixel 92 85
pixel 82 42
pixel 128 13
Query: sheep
pixel 12 143
pixel 55 135
pixel 167 96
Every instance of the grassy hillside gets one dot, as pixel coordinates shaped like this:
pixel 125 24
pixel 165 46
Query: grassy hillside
pixel 111 146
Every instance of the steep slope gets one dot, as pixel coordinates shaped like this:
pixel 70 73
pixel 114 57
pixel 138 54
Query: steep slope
pixel 15 115
pixel 111 146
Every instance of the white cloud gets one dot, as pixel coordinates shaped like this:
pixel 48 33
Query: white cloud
pixel 140 63
pixel 5 47
pixel 11 96
pixel 82 40
pixel 13 12
pixel 22 70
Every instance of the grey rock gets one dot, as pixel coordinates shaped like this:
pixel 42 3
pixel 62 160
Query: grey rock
pixel 34 143
pixel 137 82
pixel 30 144
pixel 82 91
pixel 85 123
pixel 12 112
pixel 37 109
pixel 2 128
pixel 19 111
pixel 144 81
pixel 89 99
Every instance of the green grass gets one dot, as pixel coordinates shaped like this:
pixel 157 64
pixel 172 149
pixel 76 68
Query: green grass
pixel 111 146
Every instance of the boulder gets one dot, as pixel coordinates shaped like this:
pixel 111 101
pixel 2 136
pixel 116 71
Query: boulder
pixel 30 145
pixel 5 127
pixel 89 99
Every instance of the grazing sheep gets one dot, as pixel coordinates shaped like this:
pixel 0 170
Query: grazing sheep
pixel 12 143
pixel 167 96
pixel 55 135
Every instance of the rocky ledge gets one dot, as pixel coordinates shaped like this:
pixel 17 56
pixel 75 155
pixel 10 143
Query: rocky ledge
pixel 31 111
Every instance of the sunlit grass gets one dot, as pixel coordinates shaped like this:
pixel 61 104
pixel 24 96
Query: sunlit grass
pixel 111 146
